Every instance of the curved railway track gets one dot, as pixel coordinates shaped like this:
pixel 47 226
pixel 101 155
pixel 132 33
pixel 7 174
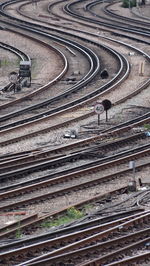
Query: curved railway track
pixel 78 252
pixel 123 65
pixel 20 54
pixel 92 58
pixel 52 111
pixel 69 8
pixel 37 117
pixel 108 11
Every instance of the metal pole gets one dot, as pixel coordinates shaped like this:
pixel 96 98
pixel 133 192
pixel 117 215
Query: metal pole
pixel 106 116
pixel 134 171
pixel 132 182
pixel 98 119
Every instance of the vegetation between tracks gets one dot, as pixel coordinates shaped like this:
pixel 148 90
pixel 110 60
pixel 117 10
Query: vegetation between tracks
pixel 147 126
pixel 71 214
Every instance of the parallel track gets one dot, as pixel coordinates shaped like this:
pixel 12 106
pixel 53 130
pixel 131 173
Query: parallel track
pixel 56 256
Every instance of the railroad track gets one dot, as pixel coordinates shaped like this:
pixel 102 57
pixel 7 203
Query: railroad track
pixel 18 170
pixel 104 235
pixel 80 254
pixel 31 223
pixel 22 160
pixel 92 59
pixel 61 73
pixel 73 104
pixel 109 11
pixel 67 176
pixel 70 9
pixel 59 113
pixel 20 54
pixel 24 136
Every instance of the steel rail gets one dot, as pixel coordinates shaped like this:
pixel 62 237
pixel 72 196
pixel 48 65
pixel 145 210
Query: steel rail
pixel 94 68
pixel 64 176
pixel 106 10
pixel 81 23
pixel 86 235
pixel 139 89
pixel 61 191
pixel 111 13
pixel 146 117
pixel 80 48
pixel 80 254
pixel 88 240
pixel 58 77
pixel 50 11
pixel 52 215
pixel 34 25
pixel 122 251
pixel 58 180
pixel 71 105
pixel 19 53
pixel 113 131
pixel 139 151
pixel 21 159
pixel 110 50
pixel 119 101
pixel 52 4
pixel 47 150
pixel 7 230
pixel 68 10
pixel 134 259
pixel 78 226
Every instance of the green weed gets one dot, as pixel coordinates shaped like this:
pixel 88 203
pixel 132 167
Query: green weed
pixel 72 214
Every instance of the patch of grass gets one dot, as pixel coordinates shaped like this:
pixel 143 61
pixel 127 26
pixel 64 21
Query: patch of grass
pixel 6 62
pixel 147 126
pixel 18 231
pixel 72 214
